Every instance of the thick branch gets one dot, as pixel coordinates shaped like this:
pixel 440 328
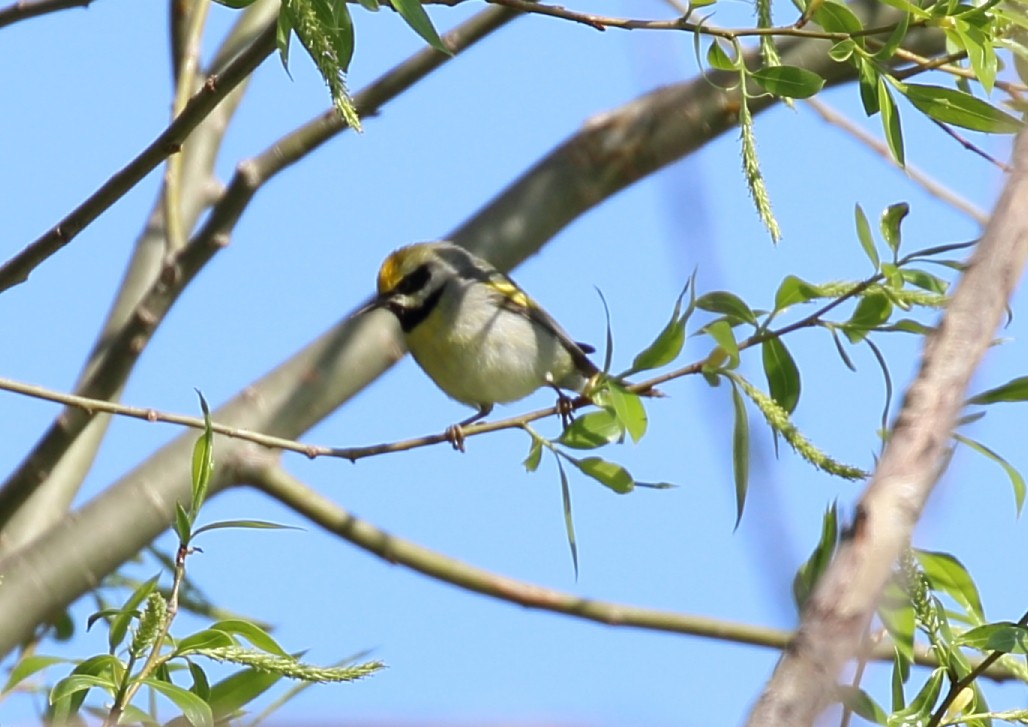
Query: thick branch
pixel 841 607
pixel 17 269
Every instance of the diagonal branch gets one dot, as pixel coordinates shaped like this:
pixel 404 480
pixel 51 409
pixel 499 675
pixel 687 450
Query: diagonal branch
pixel 25 9
pixel 18 268
pixel 841 607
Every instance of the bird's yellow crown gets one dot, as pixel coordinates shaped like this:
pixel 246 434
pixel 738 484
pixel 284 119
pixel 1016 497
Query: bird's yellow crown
pixel 398 265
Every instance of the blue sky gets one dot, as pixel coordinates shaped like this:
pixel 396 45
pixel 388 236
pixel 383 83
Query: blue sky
pixel 90 88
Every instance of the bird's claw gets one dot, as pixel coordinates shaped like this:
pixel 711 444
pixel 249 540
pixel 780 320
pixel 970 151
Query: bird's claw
pixel 455 436
pixel 565 409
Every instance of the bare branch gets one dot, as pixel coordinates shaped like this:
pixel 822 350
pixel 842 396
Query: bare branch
pixel 841 607
pixel 25 9
pixel 17 269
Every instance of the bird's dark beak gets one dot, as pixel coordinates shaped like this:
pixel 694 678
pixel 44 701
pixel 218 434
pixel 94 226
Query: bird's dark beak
pixel 378 301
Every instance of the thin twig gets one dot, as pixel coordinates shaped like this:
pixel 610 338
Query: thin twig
pixel 271 479
pixel 970 146
pixel 929 185
pixel 17 269
pixel 25 9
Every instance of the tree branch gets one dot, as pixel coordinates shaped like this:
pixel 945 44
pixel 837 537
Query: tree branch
pixel 841 607
pixel 25 9
pixel 18 268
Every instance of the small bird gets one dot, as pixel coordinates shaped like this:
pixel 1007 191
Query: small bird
pixel 477 335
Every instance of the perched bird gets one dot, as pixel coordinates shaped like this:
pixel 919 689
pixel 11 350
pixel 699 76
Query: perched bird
pixel 477 335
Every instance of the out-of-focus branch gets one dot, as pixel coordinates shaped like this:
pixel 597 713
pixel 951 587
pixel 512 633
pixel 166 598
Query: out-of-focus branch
pixel 268 476
pixel 612 151
pixel 17 269
pixel 915 175
pixel 25 9
pixel 839 610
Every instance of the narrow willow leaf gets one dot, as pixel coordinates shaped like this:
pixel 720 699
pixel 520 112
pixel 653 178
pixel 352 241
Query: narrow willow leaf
pixel 868 79
pixel 883 366
pixel 947 574
pixel 842 51
pixel 896 613
pixel 862 705
pixel 896 37
pixel 872 310
pixel 416 17
pixel 718 59
pixel 1016 479
pixel 668 343
pixel 841 349
pixel 740 453
pixel 194 709
pixel 29 665
pixel 835 17
pixel 889 223
pixel 783 376
pixel 119 625
pixel 951 106
pixel 629 410
pixel 252 633
pixel 729 304
pixel 608 474
pixel 203 461
pixel 234 692
pixel 236 4
pixel 244 524
pixel 793 290
pixel 864 235
pixel 183 526
pixel 535 452
pixel 589 431
pixel 789 81
pixel 201 686
pixel 283 32
pixel 1010 638
pixel 371 5
pixel 808 574
pixel 569 523
pixel 925 280
pixel 206 639
pixel 608 351
pixel 723 335
pixel 891 126
pixel 1013 390
pixel 76 683
pixel 980 51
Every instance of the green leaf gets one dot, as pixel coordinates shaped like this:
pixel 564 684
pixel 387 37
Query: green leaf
pixel 371 5
pixel 891 126
pixel 668 343
pixel 201 687
pixel 629 410
pixel 569 522
pixel 793 290
pixel 206 639
pixel 194 709
pixel 120 623
pixel 1013 390
pixel 728 304
pixel 837 18
pixel 788 81
pixel 342 34
pixel 896 37
pixel 722 334
pixel 740 452
pixel 717 58
pixel 951 106
pixel 868 78
pixel 418 20
pixel 283 32
pixel 1016 480
pixel 183 525
pixel 862 704
pixel 244 524
pixel 203 461
pixel 72 685
pixel 980 51
pixel 535 450
pixel 897 615
pixel 252 633
pixel 947 574
pixel 608 474
pixel 237 690
pixel 925 280
pixel 842 51
pixel 28 665
pixel 841 350
pixel 872 310
pixel 811 571
pixel 1005 636
pixel 236 4
pixel 589 431
pixel 864 235
pixel 891 219
pixel 783 376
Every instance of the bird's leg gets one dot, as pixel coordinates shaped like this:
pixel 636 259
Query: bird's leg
pixel 455 432
pixel 565 408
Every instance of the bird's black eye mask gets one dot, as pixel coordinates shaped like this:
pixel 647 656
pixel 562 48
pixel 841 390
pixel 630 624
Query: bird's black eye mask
pixel 414 281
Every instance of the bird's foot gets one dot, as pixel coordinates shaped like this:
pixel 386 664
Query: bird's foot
pixel 455 436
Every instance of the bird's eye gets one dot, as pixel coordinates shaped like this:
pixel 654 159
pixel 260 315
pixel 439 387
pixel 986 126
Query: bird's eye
pixel 414 281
